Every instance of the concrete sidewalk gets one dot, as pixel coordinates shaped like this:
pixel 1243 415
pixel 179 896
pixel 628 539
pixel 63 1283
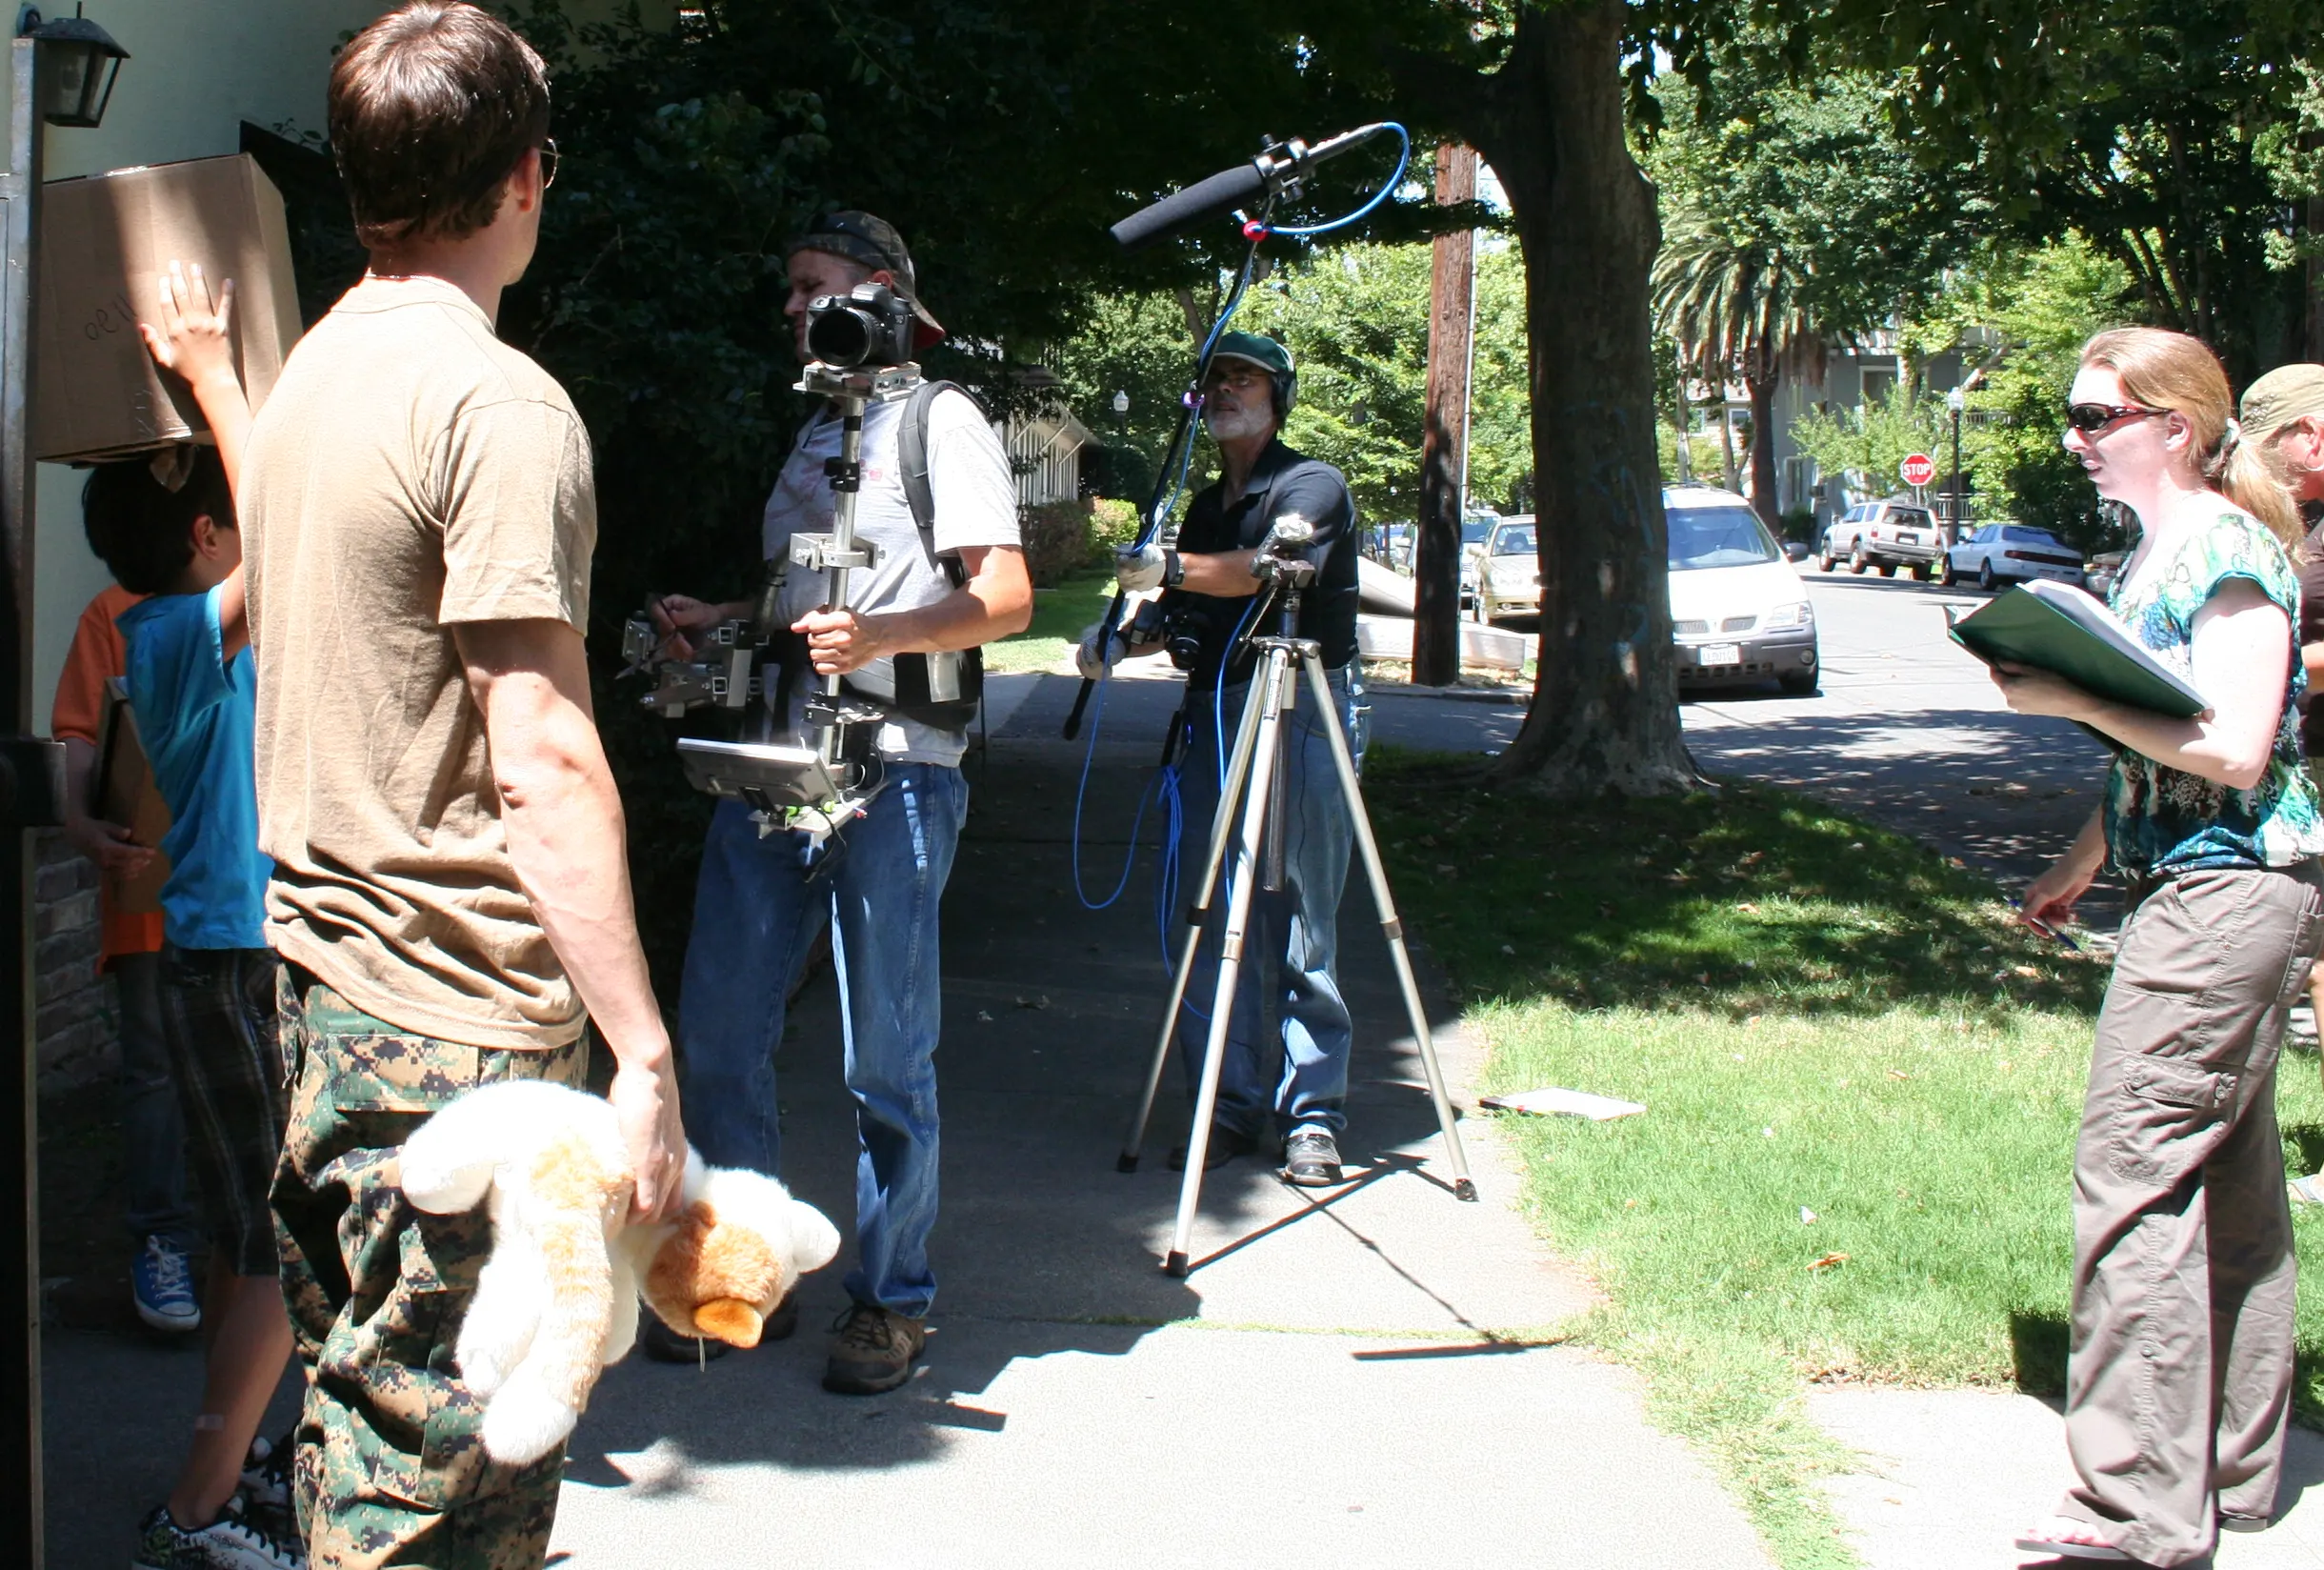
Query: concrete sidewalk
pixel 1364 1377
pixel 1948 1478
pixel 1356 1375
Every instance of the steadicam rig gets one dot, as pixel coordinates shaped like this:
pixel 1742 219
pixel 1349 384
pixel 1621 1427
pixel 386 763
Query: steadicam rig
pixel 819 784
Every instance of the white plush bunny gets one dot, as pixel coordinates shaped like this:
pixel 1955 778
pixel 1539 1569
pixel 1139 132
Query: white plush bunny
pixel 557 1300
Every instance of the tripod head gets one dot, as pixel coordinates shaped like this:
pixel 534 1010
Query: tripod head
pixel 1285 573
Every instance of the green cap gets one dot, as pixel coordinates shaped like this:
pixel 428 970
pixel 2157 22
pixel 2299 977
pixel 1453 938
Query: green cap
pixel 2281 396
pixel 1266 353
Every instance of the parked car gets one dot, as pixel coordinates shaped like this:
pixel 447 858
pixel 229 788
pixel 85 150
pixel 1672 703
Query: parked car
pixel 1878 535
pixel 1391 545
pixel 1739 610
pixel 1995 554
pixel 2099 572
pixel 1474 531
pixel 1510 571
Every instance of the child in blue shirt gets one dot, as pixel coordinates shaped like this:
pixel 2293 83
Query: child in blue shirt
pixel 166 529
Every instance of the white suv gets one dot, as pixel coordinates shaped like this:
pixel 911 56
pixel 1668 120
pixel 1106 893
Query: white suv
pixel 1881 535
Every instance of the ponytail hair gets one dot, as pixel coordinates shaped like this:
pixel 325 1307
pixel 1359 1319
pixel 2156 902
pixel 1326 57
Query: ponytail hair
pixel 2164 369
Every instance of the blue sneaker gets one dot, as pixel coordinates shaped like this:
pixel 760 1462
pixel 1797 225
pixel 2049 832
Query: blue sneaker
pixel 162 1282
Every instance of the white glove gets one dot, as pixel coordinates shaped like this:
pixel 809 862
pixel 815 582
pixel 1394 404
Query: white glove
pixel 1137 567
pixel 1094 658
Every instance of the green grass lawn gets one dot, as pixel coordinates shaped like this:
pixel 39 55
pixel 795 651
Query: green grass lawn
pixel 1059 616
pixel 1845 1048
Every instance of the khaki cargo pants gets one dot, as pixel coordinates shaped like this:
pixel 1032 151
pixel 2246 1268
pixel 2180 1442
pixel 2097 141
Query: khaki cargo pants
pixel 390 1468
pixel 2179 1379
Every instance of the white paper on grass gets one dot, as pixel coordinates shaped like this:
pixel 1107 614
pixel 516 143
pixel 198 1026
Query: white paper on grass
pixel 1563 1103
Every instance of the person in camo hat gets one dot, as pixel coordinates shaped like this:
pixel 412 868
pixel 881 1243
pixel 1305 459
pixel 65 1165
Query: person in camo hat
pixel 2283 417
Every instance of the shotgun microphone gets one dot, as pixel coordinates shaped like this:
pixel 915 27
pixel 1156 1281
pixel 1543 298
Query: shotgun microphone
pixel 1277 171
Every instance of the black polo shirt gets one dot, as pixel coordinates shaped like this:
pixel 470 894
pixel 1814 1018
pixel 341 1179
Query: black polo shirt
pixel 1283 484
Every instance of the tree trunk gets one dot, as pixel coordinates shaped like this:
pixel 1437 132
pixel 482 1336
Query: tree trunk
pixel 1605 711
pixel 1765 500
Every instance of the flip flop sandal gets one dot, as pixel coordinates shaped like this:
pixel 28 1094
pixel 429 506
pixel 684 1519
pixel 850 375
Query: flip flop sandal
pixel 2065 1548
pixel 2307 1191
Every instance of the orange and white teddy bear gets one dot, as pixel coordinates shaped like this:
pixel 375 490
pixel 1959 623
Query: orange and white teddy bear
pixel 557 1302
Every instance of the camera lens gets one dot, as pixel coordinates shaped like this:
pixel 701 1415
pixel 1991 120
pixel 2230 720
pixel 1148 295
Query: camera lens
pixel 839 333
pixel 1183 650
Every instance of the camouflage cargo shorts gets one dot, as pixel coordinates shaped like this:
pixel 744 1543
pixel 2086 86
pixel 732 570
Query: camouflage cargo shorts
pixel 390 1466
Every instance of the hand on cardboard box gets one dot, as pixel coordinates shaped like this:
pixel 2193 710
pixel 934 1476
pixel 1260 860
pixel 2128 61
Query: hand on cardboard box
pixel 195 338
pixel 108 846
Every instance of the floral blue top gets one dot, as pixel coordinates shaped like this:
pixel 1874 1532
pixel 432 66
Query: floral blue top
pixel 2159 820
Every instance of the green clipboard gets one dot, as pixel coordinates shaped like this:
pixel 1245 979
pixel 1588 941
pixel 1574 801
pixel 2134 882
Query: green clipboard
pixel 2073 634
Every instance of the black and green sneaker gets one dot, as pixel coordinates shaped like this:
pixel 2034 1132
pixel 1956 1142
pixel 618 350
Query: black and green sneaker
pixel 234 1541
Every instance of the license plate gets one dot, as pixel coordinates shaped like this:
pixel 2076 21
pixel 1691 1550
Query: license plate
pixel 1719 653
pixel 1908 539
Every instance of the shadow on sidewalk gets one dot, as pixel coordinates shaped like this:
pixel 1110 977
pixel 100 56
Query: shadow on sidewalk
pixel 1043 1248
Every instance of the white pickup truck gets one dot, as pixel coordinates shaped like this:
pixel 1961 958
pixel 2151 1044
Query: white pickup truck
pixel 1881 535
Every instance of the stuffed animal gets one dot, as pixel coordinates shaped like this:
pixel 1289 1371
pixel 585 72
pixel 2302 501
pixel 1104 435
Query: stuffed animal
pixel 557 1300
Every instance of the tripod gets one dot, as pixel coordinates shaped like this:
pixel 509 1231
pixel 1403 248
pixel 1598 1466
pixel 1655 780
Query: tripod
pixel 1256 778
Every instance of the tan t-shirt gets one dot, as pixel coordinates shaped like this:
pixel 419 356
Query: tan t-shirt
pixel 409 473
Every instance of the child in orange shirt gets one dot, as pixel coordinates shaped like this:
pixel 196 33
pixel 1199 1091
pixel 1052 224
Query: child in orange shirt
pixel 153 1138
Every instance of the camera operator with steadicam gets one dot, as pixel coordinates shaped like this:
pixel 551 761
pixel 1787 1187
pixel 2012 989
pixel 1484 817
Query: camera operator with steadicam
pixel 1206 583
pixel 948 574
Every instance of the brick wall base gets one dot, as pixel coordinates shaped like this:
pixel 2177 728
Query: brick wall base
pixel 77 1025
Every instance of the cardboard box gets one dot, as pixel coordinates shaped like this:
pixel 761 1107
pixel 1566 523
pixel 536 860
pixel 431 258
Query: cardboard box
pixel 105 241
pixel 126 794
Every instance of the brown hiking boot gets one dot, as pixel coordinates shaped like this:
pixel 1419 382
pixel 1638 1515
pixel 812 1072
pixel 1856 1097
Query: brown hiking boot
pixel 872 1350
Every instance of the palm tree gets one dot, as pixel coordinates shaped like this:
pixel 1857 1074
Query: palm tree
pixel 1738 308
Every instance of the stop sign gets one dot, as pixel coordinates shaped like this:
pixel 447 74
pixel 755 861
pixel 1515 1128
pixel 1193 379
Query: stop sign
pixel 1917 470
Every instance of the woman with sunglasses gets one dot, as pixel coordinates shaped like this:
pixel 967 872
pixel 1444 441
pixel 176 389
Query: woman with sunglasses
pixel 2179 1376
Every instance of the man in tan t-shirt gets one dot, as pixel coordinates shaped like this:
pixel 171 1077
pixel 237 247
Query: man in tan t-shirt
pixel 451 890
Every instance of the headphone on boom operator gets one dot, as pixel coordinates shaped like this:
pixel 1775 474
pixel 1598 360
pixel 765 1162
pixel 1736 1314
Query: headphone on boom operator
pixel 1269 356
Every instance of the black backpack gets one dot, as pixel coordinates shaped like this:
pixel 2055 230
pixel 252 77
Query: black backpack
pixel 912 697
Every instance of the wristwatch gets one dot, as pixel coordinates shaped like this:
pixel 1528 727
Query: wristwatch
pixel 1174 570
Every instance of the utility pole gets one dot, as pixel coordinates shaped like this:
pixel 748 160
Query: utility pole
pixel 1444 447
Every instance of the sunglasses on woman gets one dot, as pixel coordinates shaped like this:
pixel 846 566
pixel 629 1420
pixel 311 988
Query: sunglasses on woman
pixel 2091 418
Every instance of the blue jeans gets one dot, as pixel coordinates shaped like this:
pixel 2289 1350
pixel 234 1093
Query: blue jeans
pixel 1292 938
pixel 153 1129
pixel 756 914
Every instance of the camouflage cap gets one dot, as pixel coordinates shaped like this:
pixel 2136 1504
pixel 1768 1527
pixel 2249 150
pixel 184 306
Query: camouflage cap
pixel 870 241
pixel 2282 395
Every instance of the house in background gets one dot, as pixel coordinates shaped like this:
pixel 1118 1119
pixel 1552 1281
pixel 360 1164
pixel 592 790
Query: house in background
pixel 197 74
pixel 1045 448
pixel 1853 375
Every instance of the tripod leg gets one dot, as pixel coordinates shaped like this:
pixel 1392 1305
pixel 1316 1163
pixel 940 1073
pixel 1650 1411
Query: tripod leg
pixel 1463 1187
pixel 1197 913
pixel 1271 680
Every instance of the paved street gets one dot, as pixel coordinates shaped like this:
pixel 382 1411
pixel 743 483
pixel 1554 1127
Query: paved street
pixel 1909 731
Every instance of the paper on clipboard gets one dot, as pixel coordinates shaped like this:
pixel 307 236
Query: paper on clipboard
pixel 1563 1103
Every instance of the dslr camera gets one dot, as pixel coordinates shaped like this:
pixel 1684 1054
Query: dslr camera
pixel 868 325
pixel 1180 630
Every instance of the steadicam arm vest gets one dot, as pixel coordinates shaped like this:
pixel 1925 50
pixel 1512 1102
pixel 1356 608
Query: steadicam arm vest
pixel 941 690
